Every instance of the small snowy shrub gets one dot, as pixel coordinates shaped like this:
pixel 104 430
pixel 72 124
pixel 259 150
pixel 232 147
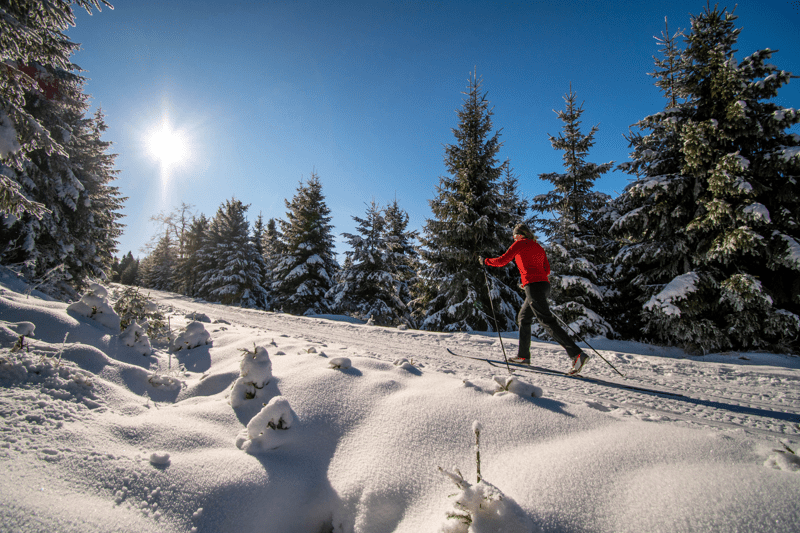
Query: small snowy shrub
pixel 785 459
pixel 159 459
pixel 94 304
pixel 166 379
pixel 269 428
pixel 340 363
pixel 482 507
pixel 520 388
pixel 134 336
pixel 404 363
pixel 255 373
pixel 193 336
pixel 19 330
pixel 132 306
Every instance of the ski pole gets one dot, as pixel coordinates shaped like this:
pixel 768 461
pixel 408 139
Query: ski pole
pixel 587 344
pixel 494 317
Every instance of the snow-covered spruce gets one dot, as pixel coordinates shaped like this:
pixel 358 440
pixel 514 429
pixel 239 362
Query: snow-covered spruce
pixel 576 249
pixel 231 269
pixel 193 336
pixel 255 372
pixel 308 266
pixel 132 305
pixel 136 337
pixel 370 285
pixel 15 332
pixel 269 429
pixel 340 363
pixel 482 507
pixel 715 197
pixel 404 363
pixel 94 304
pixel 469 219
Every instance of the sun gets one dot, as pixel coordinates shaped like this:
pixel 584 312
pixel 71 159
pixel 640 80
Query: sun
pixel 168 145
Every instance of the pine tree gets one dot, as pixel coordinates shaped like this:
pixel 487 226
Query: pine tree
pixel 468 222
pixel 272 247
pixel 79 230
pixel 119 267
pixel 159 267
pixel 650 215
pixel 95 224
pixel 307 267
pixel 513 210
pixel 575 250
pixel 130 274
pixel 721 170
pixel 365 288
pixel 231 269
pixel 401 255
pixel 189 266
pixel 57 205
pixel 36 60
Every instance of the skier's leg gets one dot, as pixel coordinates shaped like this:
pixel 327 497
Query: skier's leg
pixel 538 293
pixel 525 319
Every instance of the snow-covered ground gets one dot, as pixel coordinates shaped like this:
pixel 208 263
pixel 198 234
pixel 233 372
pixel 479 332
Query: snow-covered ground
pixel 94 439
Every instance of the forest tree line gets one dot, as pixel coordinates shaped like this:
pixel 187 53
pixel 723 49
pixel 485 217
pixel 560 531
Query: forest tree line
pixel 701 250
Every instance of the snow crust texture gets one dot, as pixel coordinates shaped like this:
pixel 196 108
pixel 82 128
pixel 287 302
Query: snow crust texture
pixel 258 433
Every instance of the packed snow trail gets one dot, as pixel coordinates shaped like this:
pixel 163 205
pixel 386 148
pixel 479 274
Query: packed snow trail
pixel 735 395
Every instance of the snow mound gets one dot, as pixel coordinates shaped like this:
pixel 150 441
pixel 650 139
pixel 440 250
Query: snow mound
pixel 94 304
pixel 193 336
pixel 255 374
pixel 269 428
pixel 510 384
pixel 135 337
pixel 159 459
pixel 340 363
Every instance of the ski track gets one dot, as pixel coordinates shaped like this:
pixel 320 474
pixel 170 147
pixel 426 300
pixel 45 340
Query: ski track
pixel 716 395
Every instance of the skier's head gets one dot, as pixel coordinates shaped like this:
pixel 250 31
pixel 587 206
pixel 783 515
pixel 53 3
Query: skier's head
pixel 523 231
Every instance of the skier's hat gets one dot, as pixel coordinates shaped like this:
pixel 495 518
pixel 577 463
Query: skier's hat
pixel 522 229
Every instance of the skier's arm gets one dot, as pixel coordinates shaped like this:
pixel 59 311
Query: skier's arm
pixel 504 259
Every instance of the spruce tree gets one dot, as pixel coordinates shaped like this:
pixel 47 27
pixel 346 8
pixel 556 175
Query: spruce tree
pixel 513 211
pixel 130 275
pixel 159 267
pixel 365 287
pixel 730 192
pixel 307 267
pixel 575 249
pixel 189 265
pixel 468 222
pixel 58 209
pixel 36 61
pixel 273 248
pixel 231 269
pixel 401 255
pixel 649 217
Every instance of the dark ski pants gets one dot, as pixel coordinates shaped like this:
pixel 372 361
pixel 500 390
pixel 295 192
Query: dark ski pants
pixel 536 305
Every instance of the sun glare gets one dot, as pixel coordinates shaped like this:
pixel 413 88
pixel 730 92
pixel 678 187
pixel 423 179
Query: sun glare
pixel 168 145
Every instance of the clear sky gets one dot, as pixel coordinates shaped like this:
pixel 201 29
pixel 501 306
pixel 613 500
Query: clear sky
pixel 365 93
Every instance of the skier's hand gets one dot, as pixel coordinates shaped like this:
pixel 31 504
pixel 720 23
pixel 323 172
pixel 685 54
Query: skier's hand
pixel 482 260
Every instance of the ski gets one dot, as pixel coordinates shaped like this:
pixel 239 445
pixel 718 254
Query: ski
pixel 550 372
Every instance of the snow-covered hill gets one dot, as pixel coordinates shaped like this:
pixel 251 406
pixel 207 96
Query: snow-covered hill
pixel 94 438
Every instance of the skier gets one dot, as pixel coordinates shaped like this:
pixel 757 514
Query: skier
pixel 534 270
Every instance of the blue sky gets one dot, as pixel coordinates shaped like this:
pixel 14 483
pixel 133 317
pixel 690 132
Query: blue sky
pixel 365 93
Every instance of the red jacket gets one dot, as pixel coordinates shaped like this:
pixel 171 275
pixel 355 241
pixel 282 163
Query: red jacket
pixel 530 258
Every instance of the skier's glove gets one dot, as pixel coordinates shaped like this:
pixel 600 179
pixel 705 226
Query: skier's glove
pixel 482 260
